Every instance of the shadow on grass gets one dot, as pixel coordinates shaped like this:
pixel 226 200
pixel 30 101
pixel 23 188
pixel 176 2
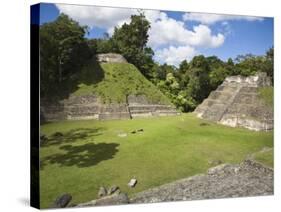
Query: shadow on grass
pixel 71 136
pixel 85 155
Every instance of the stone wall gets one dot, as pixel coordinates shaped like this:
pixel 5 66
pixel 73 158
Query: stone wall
pixel 111 58
pixel 90 107
pixel 236 103
pixel 250 178
pixel 259 80
pixel 140 106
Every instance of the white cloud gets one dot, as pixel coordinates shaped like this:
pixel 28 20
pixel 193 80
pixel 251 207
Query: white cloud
pixel 170 31
pixel 174 55
pixel 202 37
pixel 206 18
pixel 166 32
pixel 103 17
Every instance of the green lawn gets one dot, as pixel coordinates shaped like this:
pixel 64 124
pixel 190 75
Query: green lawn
pixel 90 153
pixel 265 157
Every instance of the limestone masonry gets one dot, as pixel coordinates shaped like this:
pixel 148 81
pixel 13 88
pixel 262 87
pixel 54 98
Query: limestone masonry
pixel 111 57
pixel 90 107
pixel 236 103
pixel 249 178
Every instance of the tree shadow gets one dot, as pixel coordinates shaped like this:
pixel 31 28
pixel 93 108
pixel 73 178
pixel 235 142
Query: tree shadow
pixel 82 156
pixel 71 136
pixel 90 73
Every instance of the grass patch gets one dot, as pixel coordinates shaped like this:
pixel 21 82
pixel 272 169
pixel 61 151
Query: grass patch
pixel 266 93
pixel 90 154
pixel 265 157
pixel 119 80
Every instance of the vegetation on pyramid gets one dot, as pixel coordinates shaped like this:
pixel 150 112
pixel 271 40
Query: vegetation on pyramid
pixel 118 81
pixel 109 89
pixel 73 66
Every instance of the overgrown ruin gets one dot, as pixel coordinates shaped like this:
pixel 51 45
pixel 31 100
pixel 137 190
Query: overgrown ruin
pixel 93 107
pixel 90 107
pixel 236 103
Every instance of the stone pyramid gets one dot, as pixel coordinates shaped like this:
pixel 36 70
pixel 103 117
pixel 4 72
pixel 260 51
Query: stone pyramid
pixel 236 103
pixel 91 107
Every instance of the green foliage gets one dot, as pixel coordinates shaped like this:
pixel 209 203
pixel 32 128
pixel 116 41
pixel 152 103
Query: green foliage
pixel 90 154
pixel 267 93
pixel 269 63
pixel 98 46
pixel 188 85
pixel 119 80
pixel 63 51
pixel 199 62
pixel 249 64
pixel 217 76
pixel 130 40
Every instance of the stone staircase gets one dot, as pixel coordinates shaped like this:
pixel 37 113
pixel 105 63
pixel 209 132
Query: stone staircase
pixel 214 107
pixel 236 103
pixel 151 110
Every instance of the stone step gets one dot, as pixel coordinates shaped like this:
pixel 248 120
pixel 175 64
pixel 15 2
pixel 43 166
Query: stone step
pixel 140 111
pixel 214 112
pixel 110 116
pixel 167 111
pixel 249 90
pixel 229 89
pixel 152 111
pixel 246 98
pixel 81 109
pixel 210 102
pixel 220 96
pixel 250 110
pixel 149 106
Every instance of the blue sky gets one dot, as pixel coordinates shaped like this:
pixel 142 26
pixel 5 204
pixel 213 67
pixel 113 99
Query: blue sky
pixel 175 36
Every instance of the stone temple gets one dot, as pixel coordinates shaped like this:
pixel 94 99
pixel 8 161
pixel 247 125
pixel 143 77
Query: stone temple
pixel 236 103
pixel 91 106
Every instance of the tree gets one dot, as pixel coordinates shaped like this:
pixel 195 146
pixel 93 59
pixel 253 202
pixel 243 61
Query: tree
pixel 269 64
pixel 199 83
pixel 217 76
pixel 249 64
pixel 63 51
pixel 130 40
pixel 98 46
pixel 183 67
pixel 200 62
pixel 182 74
